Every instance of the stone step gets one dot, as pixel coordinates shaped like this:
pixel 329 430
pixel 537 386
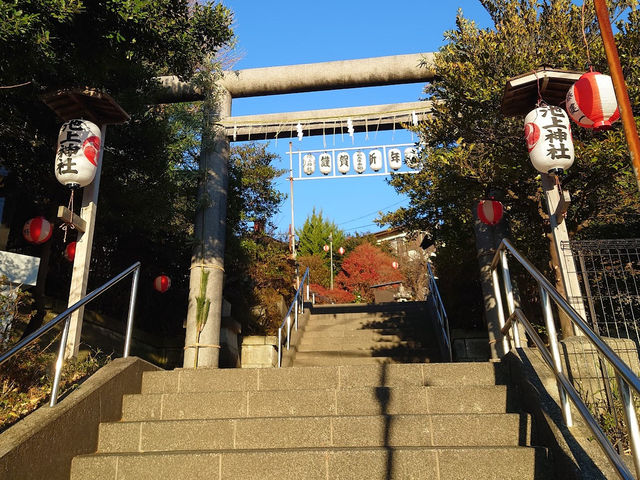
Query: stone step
pixel 383 463
pixel 316 432
pixel 352 401
pixel 315 359
pixel 333 377
pixel 378 354
pixel 329 335
pixel 370 345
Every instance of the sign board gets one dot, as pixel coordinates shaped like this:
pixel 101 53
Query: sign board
pixel 354 161
pixel 19 269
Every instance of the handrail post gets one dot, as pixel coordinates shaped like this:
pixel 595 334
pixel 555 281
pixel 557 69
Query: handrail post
pixel 132 306
pixel 60 362
pixel 295 315
pixel 279 347
pixel 511 304
pixel 498 295
pixel 632 421
pixel 555 352
pixel 288 330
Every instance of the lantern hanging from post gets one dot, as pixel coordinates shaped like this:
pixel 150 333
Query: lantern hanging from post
pixel 395 265
pixel 37 230
pixel 344 163
pixel 341 251
pixel 548 134
pixel 162 283
pixel 70 252
pixel 325 163
pixel 326 248
pixel 395 158
pixel 78 152
pixel 490 212
pixel 375 160
pixel 359 162
pixel 591 101
pixel 411 157
pixel 309 164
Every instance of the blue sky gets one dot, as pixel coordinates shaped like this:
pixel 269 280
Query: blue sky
pixel 285 32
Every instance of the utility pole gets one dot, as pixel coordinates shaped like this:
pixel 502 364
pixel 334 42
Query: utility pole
pixel 292 233
pixel 331 256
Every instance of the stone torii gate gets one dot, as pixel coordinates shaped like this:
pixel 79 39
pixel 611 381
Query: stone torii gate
pixel 207 262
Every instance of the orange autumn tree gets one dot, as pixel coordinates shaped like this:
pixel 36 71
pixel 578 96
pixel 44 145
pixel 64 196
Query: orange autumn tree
pixel 367 265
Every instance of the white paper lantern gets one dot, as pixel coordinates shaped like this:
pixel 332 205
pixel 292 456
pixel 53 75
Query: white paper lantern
pixel 548 134
pixel 344 163
pixel 359 162
pixel 78 153
pixel 325 163
pixel 395 158
pixel 375 160
pixel 309 164
pixel 411 157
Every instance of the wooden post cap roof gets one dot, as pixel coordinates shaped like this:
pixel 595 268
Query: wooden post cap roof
pixel 89 104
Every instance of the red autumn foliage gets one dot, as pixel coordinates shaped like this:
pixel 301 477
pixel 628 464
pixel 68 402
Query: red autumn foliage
pixel 367 265
pixel 337 295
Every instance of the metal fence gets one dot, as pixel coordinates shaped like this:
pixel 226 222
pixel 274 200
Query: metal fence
pixel 609 272
pixel 609 275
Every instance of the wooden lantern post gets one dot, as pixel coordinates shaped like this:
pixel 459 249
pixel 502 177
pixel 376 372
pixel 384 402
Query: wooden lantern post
pixel 102 110
pixel 520 97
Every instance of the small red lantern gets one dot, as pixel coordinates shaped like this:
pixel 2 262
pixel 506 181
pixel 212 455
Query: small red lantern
pixel 490 212
pixel 70 251
pixel 341 251
pixel 326 248
pixel 395 265
pixel 37 230
pixel 162 283
pixel 591 101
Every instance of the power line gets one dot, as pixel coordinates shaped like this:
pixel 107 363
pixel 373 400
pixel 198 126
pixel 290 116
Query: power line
pixel 371 213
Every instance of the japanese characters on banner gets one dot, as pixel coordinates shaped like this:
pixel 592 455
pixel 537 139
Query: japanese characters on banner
pixel 76 161
pixel 325 163
pixel 309 164
pixel 360 161
pixel 548 134
pixel 375 160
pixel 411 157
pixel 395 158
pixel 344 163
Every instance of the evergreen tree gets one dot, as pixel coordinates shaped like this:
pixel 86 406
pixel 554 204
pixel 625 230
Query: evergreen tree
pixel 468 147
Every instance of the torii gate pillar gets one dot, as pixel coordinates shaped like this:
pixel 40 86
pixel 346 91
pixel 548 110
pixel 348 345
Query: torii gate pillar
pixel 202 343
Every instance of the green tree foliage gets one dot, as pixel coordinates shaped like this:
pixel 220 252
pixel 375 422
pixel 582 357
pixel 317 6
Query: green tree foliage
pixel 313 236
pixel 467 147
pixel 148 183
pixel 259 273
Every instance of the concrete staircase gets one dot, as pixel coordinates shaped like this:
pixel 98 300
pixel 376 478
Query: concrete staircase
pixel 346 410
pixel 359 334
pixel 385 421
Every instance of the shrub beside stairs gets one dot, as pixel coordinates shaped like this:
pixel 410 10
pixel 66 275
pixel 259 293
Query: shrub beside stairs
pixel 341 415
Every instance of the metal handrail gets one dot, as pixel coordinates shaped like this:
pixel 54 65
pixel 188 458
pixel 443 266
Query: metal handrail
pixel 627 380
pixel 441 312
pixel 66 315
pixel 299 307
